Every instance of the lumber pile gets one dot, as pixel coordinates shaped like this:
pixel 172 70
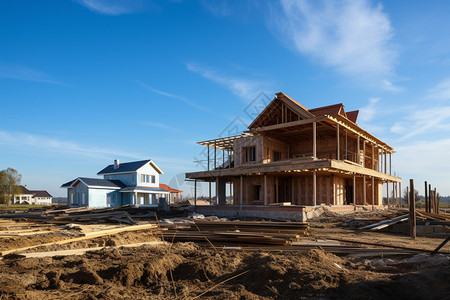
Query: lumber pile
pixel 82 215
pixel 239 232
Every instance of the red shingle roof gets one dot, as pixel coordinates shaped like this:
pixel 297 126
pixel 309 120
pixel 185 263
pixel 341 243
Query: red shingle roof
pixel 331 110
pixel 353 115
pixel 168 188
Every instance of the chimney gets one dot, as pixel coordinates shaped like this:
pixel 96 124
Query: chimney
pixel 116 164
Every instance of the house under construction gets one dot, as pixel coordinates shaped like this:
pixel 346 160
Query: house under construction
pixel 298 156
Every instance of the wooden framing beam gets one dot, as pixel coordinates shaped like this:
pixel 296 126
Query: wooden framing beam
pixel 314 140
pixel 314 188
pixel 266 200
pixel 364 189
pixel 338 146
pixel 354 190
pixel 373 193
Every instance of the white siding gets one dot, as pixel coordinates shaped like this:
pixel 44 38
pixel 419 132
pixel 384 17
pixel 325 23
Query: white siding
pixel 147 169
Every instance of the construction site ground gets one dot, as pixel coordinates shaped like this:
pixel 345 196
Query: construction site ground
pixel 208 270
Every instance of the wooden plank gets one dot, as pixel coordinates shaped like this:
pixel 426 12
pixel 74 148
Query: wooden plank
pixel 89 235
pixel 84 250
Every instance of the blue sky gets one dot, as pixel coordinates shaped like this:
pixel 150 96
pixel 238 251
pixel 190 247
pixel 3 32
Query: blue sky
pixel 86 81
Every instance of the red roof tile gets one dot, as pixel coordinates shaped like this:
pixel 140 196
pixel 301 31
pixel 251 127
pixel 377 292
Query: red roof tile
pixel 168 188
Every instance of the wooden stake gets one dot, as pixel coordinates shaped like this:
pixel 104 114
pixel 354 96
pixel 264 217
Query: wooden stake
pixel 438 200
pixel 412 211
pixel 426 197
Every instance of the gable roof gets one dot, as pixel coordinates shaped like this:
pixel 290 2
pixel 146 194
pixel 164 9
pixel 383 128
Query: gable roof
pixel 129 167
pixel 331 110
pixel 300 111
pixel 96 182
pixel 168 188
pixel 24 190
pixel 67 184
pixel 42 194
pixel 353 115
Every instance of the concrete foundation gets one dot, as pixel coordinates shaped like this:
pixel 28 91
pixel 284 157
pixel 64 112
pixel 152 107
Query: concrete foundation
pixel 292 213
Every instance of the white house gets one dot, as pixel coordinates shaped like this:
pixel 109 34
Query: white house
pixel 24 197
pixel 41 197
pixel 38 197
pixel 135 183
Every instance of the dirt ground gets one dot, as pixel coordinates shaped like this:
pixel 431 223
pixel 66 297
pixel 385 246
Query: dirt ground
pixel 188 270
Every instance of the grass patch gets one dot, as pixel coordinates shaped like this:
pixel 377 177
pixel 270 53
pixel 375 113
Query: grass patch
pixel 19 206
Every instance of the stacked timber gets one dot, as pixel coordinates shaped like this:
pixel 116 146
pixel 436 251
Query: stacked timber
pixel 239 232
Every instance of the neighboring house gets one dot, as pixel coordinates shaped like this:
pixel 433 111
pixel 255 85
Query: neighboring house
pixel 42 197
pixel 26 196
pixel 135 183
pixel 305 157
pixel 174 196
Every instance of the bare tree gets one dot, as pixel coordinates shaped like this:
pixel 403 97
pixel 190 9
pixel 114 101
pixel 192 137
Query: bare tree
pixel 9 185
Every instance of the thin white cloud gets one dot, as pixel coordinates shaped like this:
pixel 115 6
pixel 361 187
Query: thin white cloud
pixel 432 120
pixel 352 36
pixel 21 72
pixel 441 91
pixel 219 8
pixel 161 126
pixel 190 103
pixel 30 142
pixel 425 160
pixel 113 7
pixel 368 112
pixel 247 89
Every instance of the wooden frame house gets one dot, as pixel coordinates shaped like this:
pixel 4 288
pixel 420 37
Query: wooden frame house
pixel 306 157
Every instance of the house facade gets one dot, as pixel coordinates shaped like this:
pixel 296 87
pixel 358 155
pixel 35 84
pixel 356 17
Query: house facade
pixel 134 183
pixel 174 196
pixel 300 157
pixel 37 197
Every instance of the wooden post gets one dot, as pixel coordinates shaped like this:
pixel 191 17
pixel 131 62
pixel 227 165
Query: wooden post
pixel 438 203
pixel 195 195
pixel 426 197
pixel 314 140
pixel 394 193
pixel 346 145
pixel 429 198
pixel 357 155
pixel 436 210
pixel 373 157
pixel 215 153
pixel 314 188
pixel 231 186
pixel 354 190
pixel 276 190
pixel 338 146
pixel 373 193
pixel 412 210
pixel 364 189
pixel 387 192
pixel 364 154
pixel 208 158
pixel 210 192
pixel 266 201
pixel 241 192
